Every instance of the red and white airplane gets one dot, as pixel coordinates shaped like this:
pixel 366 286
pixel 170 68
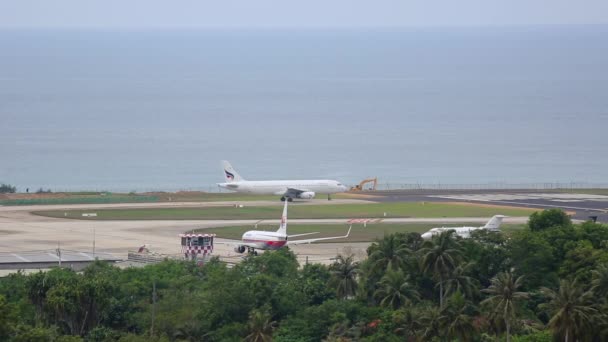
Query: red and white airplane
pixel 265 240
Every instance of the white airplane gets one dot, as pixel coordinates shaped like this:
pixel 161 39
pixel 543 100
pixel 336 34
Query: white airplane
pixel 265 240
pixel 465 232
pixel 287 189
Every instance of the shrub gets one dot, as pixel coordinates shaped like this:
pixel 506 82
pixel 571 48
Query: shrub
pixel 7 189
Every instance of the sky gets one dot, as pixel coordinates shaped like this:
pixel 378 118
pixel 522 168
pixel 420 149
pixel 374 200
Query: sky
pixel 183 14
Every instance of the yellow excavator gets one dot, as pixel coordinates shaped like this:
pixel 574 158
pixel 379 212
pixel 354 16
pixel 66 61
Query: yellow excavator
pixel 363 182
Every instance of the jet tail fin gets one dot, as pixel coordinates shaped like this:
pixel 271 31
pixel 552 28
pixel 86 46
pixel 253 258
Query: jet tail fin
pixel 283 227
pixel 230 174
pixel 494 223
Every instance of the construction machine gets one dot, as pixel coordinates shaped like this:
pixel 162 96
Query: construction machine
pixel 359 187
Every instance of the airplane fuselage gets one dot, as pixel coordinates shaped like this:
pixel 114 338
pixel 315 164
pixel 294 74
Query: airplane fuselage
pixel 264 240
pixel 279 187
pixel 464 232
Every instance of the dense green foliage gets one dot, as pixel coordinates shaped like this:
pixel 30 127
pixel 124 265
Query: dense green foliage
pixel 539 284
pixel 7 189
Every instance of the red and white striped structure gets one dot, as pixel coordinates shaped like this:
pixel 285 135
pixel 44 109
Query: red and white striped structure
pixel 365 221
pixel 193 245
pixel 361 220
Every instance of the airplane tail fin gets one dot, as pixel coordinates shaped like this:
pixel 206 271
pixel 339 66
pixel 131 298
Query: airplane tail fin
pixel 283 227
pixel 230 175
pixel 494 223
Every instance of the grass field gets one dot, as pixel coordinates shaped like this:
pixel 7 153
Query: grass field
pixel 370 210
pixel 195 196
pixel 107 197
pixel 358 233
pixel 77 198
pixel 603 192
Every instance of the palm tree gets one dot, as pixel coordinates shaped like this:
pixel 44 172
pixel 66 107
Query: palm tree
pixel 409 323
pixel 459 281
pixel 461 327
pixel 603 326
pixel 458 324
pixel 345 331
pixel 367 280
pixel 504 297
pixel 413 241
pixel 431 320
pixel 260 326
pixel 440 257
pixel 599 281
pixel 572 310
pixel 344 276
pixel 599 286
pixel 58 299
pixel 388 253
pixel 396 290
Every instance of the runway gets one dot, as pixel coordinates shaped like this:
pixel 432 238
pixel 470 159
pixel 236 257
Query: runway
pixel 583 205
pixel 173 205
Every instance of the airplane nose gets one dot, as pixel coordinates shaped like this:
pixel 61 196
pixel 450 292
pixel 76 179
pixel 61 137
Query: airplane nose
pixel 426 236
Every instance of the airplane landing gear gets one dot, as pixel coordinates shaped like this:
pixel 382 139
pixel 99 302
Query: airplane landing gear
pixel 252 251
pixel 283 199
pixel 328 197
pixel 289 199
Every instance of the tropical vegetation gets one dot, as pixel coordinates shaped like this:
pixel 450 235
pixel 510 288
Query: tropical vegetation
pixel 7 189
pixel 548 282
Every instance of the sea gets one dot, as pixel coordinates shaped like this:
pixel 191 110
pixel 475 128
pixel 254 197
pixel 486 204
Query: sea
pixel 157 110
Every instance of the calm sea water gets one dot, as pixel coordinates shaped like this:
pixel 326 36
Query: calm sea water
pixel 158 110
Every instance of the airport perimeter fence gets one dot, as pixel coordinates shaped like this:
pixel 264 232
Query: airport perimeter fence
pixel 481 186
pixel 81 200
pixel 140 195
pixel 493 186
pixel 468 186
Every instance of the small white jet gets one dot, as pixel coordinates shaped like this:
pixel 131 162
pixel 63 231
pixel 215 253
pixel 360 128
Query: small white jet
pixel 265 240
pixel 465 232
pixel 287 189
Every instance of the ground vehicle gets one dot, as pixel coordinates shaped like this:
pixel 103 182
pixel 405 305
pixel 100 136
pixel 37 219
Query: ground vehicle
pixel 360 187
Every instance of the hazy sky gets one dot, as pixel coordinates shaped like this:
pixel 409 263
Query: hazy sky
pixel 296 13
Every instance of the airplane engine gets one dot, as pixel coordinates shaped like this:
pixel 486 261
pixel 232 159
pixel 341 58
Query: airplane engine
pixel 307 195
pixel 240 249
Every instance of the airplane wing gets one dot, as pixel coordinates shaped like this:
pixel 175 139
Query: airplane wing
pixel 228 185
pixel 291 192
pixel 303 234
pixel 230 243
pixel 300 242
